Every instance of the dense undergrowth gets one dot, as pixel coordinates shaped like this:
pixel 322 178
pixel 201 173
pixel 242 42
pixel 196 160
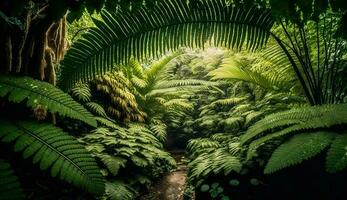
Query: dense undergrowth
pixel 93 95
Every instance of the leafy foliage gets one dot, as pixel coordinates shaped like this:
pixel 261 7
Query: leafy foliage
pixel 117 190
pixel 304 145
pixel 39 93
pixel 300 147
pixel 336 159
pixel 10 188
pixel 132 148
pixel 212 155
pixel 122 34
pixel 50 147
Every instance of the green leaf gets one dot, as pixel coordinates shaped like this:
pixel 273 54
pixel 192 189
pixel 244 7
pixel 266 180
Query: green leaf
pixel 51 147
pixel 337 154
pixel 41 93
pixel 299 148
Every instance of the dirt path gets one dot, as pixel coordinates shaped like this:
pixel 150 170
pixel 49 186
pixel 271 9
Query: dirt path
pixel 172 185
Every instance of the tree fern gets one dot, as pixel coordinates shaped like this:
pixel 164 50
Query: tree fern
pixel 10 187
pixel 337 154
pixel 299 148
pixel 50 147
pixel 141 34
pixel 44 94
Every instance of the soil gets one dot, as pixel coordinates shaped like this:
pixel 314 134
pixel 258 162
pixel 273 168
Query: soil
pixel 173 184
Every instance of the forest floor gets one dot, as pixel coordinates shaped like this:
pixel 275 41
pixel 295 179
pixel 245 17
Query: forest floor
pixel 173 184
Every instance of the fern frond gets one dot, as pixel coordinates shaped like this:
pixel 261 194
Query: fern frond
pixel 141 34
pixel 218 161
pixel 112 163
pixel 299 148
pixel 41 93
pixel 82 92
pixel 232 69
pixel 300 118
pixel 50 147
pixel 337 154
pixel 96 108
pixel 159 130
pixel 118 190
pixel 107 122
pixel 10 187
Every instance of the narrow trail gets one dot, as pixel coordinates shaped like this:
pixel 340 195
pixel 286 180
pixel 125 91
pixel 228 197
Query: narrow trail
pixel 173 184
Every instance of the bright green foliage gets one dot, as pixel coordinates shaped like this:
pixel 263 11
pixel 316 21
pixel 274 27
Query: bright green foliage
pixel 299 148
pixel 168 25
pixel 96 108
pixel 217 162
pixel 82 92
pixel 214 155
pixel 233 70
pixel 117 190
pixel 337 154
pixel 135 144
pixel 269 69
pixel 51 147
pixel 10 188
pixel 39 93
pixel 298 119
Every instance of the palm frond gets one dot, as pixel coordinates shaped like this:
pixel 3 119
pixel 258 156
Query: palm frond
pixel 51 147
pixel 38 93
pixel 169 25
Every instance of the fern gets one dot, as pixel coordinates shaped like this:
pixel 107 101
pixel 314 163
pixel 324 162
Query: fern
pixel 117 190
pixel 10 187
pixel 218 161
pixel 112 163
pixel 233 70
pixel 82 92
pixel 38 93
pixel 140 34
pixel 299 119
pixel 50 147
pixel 337 154
pixel 299 148
pixel 96 108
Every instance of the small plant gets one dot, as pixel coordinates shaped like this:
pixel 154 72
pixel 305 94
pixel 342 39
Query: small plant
pixel 215 191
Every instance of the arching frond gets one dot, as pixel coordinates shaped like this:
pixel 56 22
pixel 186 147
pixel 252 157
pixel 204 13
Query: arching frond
pixel 39 93
pixel 299 148
pixel 51 147
pixel 232 69
pixel 167 26
pixel 299 119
